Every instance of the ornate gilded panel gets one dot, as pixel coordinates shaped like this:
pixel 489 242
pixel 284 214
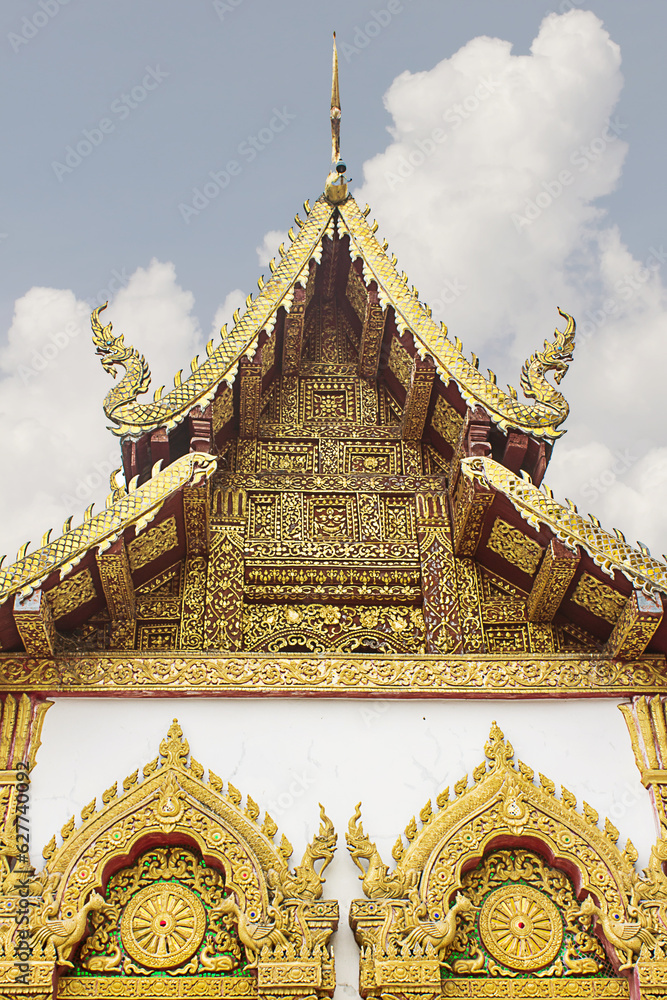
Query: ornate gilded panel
pixel 75 591
pixel 152 543
pixel 329 400
pixel 599 598
pixel 400 362
pixel 286 456
pixel 513 545
pixel 446 421
pixel 505 881
pixel 331 517
pixel 172 879
pixel 383 459
pixel 263 513
pixel 332 628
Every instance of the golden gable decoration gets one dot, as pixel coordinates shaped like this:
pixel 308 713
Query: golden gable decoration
pixel 173 877
pixel 506 890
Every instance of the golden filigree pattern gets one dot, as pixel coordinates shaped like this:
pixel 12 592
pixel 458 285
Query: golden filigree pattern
pixel 72 593
pixel 153 543
pixel 474 675
pixel 513 545
pixel 599 598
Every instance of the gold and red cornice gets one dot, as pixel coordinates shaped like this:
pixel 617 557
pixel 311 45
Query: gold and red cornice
pixel 541 419
pixel 538 507
pixel 136 508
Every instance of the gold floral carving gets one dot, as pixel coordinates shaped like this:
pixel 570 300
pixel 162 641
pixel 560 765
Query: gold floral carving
pixel 598 598
pixel 513 545
pixel 460 893
pixel 400 363
pixel 323 627
pixel 72 593
pixel 447 421
pixel 153 543
pixel 223 408
pixel 475 675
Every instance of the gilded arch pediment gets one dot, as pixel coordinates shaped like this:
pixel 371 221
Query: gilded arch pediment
pixel 504 881
pixel 176 876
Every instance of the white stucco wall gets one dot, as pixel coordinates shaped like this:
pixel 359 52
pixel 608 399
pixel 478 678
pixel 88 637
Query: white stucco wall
pixel 290 754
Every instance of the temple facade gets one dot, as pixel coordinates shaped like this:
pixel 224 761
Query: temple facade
pixel 333 530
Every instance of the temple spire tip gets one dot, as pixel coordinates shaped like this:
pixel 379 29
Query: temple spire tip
pixel 335 107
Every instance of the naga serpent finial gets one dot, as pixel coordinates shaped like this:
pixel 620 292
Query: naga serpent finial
pixel 556 358
pixel 112 351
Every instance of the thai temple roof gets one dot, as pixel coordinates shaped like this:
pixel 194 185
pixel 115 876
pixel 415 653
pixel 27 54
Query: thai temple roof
pixel 492 449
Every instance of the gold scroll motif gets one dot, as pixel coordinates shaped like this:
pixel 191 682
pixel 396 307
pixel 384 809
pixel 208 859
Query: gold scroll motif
pixel 153 543
pixel 471 674
pixel 333 628
pixel 446 421
pixel 511 914
pixel 598 598
pixel 400 363
pixel 513 545
pixel 171 912
pixel 223 408
pixel 72 593
pixel 356 293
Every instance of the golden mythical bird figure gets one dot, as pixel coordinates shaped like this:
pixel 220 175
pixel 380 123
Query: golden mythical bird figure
pixel 252 935
pixel 65 934
pixel 439 934
pixel 626 938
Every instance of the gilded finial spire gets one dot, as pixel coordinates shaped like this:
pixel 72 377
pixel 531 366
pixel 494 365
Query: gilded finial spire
pixel 335 108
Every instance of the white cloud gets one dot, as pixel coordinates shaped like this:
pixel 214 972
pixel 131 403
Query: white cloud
pixel 489 194
pixel 54 442
pixel 270 244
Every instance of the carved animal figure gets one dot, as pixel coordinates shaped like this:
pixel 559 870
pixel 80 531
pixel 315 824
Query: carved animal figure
pixel 305 882
pixel 555 358
pixel 582 966
pixel 64 935
pixel 440 933
pixel 112 352
pixel 626 938
pixel 252 935
pixel 377 883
